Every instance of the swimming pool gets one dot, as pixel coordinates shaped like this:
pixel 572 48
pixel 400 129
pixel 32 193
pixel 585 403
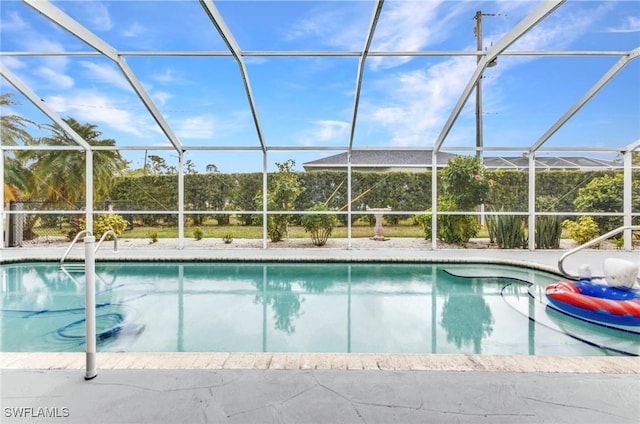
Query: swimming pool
pixel 297 307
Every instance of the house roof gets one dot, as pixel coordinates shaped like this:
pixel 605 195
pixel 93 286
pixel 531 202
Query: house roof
pixel 381 159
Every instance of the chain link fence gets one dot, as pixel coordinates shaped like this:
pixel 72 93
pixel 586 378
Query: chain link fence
pixel 39 226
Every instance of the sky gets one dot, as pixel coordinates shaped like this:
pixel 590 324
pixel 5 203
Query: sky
pixel 308 102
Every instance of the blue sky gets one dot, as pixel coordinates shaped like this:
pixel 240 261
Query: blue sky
pixel 308 101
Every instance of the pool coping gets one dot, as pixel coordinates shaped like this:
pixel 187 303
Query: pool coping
pixel 321 361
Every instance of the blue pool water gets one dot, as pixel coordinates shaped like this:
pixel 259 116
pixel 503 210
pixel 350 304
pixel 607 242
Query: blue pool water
pixel 297 307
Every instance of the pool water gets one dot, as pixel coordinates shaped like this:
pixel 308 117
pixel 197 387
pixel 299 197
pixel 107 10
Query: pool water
pixel 297 307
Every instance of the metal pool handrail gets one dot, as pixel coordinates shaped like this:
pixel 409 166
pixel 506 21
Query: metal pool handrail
pixel 75 240
pixel 591 243
pixel 104 236
pixel 88 233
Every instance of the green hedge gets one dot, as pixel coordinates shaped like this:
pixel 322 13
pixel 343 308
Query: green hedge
pixel 555 190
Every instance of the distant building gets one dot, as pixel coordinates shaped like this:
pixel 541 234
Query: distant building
pixel 420 161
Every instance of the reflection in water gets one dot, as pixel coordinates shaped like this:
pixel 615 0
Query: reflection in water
pixel 278 292
pixel 285 304
pixel 466 316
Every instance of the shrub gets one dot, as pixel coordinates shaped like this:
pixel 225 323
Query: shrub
pixel 548 232
pixel 319 226
pixel 457 229
pixel 285 188
pixel 198 233
pixel 77 223
pixel 602 194
pixel 583 230
pixel 508 231
pixel 464 182
pixel 101 225
pixel 464 187
pixel 153 236
pixel 424 220
pixel 277 227
pixel 105 223
pixel 548 227
pixel 453 229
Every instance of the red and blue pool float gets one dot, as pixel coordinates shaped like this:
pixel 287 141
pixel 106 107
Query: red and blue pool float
pixel 599 303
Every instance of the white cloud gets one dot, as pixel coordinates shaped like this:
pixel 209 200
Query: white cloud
pixel 416 104
pixel 56 63
pixel 13 62
pixel 332 27
pixel 403 26
pixel 167 77
pixel 42 72
pixel 210 127
pixel 330 131
pixel 560 30
pixel 134 30
pixel 96 15
pixel 93 107
pixel 161 97
pixel 407 26
pixel 196 127
pixel 13 23
pixel 629 24
pixel 56 79
pixel 420 101
pixel 254 60
pixel 106 73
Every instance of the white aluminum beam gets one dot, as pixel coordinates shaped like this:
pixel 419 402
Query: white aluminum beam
pixel 531 195
pixel 309 53
pixel 627 198
pixel 377 8
pixel 530 21
pixel 227 36
pixel 617 67
pixel 63 20
pixel 633 146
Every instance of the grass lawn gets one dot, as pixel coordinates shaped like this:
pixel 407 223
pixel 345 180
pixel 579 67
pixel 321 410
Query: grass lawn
pixel 211 229
pixel 255 232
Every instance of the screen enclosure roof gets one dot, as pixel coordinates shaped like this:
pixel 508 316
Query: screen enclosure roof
pixel 312 78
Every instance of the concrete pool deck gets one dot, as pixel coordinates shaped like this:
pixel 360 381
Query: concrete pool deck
pixel 314 387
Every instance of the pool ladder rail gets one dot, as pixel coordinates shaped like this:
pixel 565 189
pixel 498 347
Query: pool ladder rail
pixel 80 266
pixel 589 244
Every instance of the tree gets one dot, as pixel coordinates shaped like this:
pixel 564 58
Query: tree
pixel 12 129
pixel 190 167
pixel 464 182
pixel 284 189
pixel 60 175
pixel 464 187
pixel 158 165
pixel 604 194
pixel 211 168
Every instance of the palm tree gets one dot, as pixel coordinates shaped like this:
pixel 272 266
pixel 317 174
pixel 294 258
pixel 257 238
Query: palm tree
pixel 60 175
pixel 12 129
